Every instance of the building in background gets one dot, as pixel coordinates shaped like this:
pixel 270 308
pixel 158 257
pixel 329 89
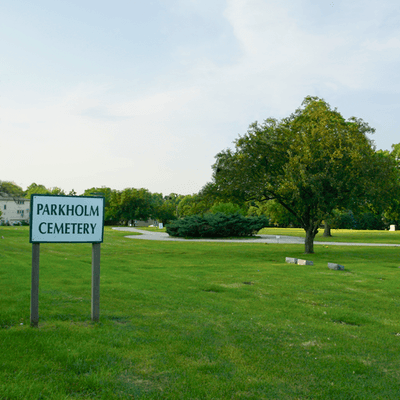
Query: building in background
pixel 14 210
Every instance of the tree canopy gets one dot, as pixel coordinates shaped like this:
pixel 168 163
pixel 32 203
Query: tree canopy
pixel 392 210
pixel 132 204
pixel 11 189
pixel 310 163
pixel 34 188
pixel 193 204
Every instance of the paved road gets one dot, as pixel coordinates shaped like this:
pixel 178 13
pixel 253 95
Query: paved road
pixel 147 235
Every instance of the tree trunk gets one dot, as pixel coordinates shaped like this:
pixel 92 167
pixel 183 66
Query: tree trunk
pixel 327 230
pixel 309 242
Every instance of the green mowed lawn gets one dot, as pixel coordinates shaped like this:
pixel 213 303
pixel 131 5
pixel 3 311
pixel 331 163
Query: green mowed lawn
pixel 340 235
pixel 186 320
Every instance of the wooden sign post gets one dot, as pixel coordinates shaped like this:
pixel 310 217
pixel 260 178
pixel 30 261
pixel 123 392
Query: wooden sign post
pixel 95 281
pixel 35 285
pixel 66 219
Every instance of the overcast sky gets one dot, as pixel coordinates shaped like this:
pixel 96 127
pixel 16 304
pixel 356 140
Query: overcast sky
pixel 129 93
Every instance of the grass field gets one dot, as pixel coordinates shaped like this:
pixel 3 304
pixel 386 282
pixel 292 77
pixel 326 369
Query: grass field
pixel 340 235
pixel 186 320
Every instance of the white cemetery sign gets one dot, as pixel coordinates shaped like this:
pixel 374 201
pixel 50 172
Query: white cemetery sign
pixel 66 219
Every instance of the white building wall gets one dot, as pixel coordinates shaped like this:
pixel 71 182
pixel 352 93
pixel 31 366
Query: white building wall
pixel 14 210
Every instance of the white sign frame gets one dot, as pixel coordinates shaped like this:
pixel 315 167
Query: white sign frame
pixel 66 219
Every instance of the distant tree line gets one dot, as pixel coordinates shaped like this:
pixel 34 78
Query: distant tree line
pixel 310 169
pixel 130 204
pixel 121 206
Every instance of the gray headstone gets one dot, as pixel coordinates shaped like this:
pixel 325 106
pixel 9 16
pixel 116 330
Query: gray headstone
pixel 291 260
pixel 336 267
pixel 304 262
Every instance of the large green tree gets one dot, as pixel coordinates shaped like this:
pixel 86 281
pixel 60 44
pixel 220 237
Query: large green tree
pixel 165 212
pixel 106 192
pixel 193 204
pixel 132 204
pixel 172 200
pixel 166 207
pixel 56 191
pixel 395 153
pixel 392 211
pixel 34 188
pixel 310 163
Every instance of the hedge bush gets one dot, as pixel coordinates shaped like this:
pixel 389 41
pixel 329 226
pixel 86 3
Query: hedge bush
pixel 216 226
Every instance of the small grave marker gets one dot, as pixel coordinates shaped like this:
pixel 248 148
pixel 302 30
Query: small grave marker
pixel 336 267
pixel 304 262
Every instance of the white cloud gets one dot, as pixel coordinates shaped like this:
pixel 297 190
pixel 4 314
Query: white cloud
pixel 164 135
pixel 80 138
